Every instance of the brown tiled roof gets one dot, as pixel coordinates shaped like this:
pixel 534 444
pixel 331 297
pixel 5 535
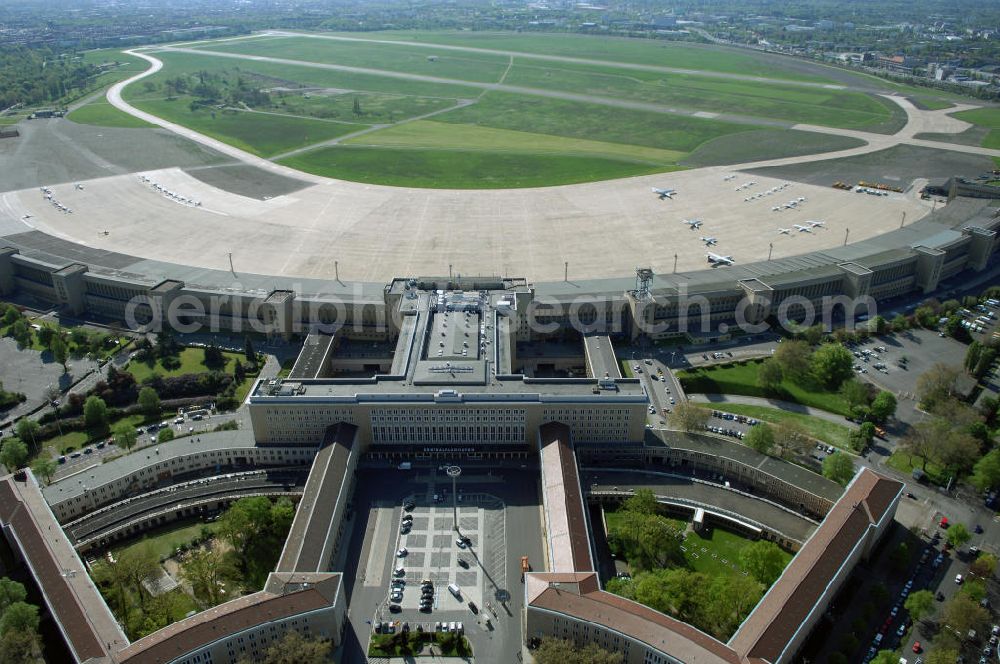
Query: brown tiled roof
pixel 306 540
pixel 653 628
pixel 564 504
pixel 773 623
pixel 72 599
pixel 772 626
pixel 220 622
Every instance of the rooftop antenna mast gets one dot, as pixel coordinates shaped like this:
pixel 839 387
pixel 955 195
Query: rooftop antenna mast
pixel 643 282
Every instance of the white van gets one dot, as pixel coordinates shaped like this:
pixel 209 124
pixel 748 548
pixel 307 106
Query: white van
pixel 455 590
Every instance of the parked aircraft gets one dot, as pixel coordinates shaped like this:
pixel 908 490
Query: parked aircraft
pixel 816 224
pixel 802 229
pixel 709 241
pixel 693 223
pixel 717 259
pixel 785 231
pixel 665 193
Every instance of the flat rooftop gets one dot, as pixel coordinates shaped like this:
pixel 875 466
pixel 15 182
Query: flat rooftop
pixel 226 443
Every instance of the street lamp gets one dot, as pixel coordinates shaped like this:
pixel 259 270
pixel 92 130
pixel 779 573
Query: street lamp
pixel 453 472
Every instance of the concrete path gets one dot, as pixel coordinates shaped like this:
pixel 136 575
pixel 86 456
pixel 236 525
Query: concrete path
pixel 768 403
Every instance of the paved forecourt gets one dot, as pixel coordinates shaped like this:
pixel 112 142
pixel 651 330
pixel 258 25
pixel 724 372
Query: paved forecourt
pixel 602 229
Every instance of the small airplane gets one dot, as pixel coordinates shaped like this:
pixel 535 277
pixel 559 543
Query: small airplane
pixel 776 208
pixel 79 186
pixel 802 229
pixel 27 216
pixel 665 193
pixel 693 223
pixel 717 259
pixel 785 231
pixel 104 232
pixel 816 224
pixel 709 241
pixel 790 205
pixel 728 177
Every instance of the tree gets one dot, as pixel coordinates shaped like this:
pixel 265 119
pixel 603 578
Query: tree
pixel 769 375
pixel 899 557
pixel 885 657
pixel 45 336
pixel 986 361
pixel 14 453
pixel 854 393
pixel 883 406
pixel 920 604
pixel 942 655
pixel 839 468
pixel 165 435
pixel 149 401
pixel 245 520
pixel 561 651
pixel 124 436
pixel 293 648
pixel 984 565
pixel 958 535
pixel 21 332
pixel 643 501
pixel 19 647
pixel 964 613
pixel 95 412
pixel 936 384
pixel 793 358
pixel 239 373
pixel 60 351
pixel 208 570
pixel 689 417
pixel 10 592
pixel 861 437
pixel 831 365
pixel 135 565
pixel 764 560
pixel 19 617
pixel 28 430
pixel 972 355
pixel 792 436
pixel 760 437
pixel 248 351
pixel 44 467
pixel 214 359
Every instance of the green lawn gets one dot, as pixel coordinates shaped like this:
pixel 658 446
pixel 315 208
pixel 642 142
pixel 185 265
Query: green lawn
pixel 103 114
pixel 722 547
pixel 611 49
pixel 722 551
pixel 272 74
pixel 905 463
pixel 375 107
pixel 462 169
pixel 258 133
pixel 984 117
pixel 458 65
pixel 761 144
pixel 592 122
pixel 440 135
pixel 742 379
pixel 834 108
pixel 75 440
pixel 820 429
pixel 166 540
pixel 931 103
pixel 192 361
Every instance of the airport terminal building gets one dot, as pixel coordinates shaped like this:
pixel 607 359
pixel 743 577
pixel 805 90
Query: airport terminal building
pixel 693 306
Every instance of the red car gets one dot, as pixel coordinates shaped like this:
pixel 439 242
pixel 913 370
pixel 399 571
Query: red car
pixel 916 646
pixel 944 522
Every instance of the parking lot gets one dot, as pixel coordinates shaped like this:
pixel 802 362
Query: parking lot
pixel 498 513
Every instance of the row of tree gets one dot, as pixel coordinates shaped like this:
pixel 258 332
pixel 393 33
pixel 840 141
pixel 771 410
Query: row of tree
pixel 19 639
